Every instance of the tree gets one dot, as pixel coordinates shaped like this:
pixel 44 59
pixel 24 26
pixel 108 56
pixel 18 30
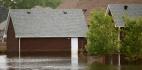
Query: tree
pixel 102 35
pixel 26 4
pixel 132 42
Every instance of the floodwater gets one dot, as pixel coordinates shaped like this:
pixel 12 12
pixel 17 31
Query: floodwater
pixel 38 63
pixel 55 63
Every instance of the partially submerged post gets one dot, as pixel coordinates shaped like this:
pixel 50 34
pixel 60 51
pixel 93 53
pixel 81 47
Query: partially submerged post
pixel 74 53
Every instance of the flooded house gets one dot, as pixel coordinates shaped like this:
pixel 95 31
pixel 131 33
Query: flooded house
pixel 119 11
pixel 45 31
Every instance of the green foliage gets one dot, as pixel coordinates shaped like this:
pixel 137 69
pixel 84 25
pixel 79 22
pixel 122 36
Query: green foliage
pixel 132 43
pixel 26 4
pixel 102 35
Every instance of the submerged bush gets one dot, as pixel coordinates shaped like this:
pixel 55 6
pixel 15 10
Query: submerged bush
pixel 132 42
pixel 101 36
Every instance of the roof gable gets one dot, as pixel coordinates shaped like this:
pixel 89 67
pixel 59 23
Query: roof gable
pixel 118 12
pixel 48 22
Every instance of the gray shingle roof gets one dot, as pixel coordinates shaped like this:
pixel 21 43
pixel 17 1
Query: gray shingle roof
pixel 49 22
pixel 3 14
pixel 117 11
pixel 3 21
pixel 3 17
pixel 3 25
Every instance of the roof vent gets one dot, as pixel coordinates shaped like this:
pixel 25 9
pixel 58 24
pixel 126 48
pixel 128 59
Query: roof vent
pixel 125 7
pixel 64 12
pixel 28 12
pixel 84 10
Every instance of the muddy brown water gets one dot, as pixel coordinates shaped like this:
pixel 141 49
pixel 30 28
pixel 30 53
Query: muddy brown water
pixel 56 63
pixel 38 63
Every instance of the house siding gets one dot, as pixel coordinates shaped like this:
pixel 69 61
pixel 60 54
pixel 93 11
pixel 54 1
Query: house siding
pixel 39 46
pixel 48 44
pixel 45 46
pixel 12 42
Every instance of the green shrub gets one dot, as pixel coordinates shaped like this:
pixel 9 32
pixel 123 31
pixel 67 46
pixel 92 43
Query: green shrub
pixel 102 35
pixel 132 42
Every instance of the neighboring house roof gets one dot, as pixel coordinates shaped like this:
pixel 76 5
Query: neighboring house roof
pixel 90 5
pixel 3 25
pixel 94 4
pixel 3 21
pixel 118 12
pixel 48 22
pixel 3 17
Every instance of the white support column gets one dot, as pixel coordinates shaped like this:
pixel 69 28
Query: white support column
pixel 74 53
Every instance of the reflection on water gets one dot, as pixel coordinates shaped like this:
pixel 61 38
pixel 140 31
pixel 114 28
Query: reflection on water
pixel 38 63
pixel 98 66
pixel 3 62
pixel 55 63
